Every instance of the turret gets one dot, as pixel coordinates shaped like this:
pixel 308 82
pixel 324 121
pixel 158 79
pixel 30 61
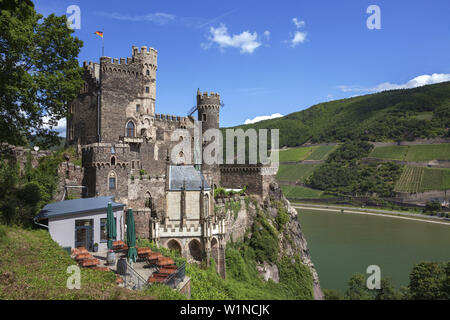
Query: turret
pixel 208 106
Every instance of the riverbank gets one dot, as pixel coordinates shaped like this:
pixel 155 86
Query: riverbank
pixel 375 212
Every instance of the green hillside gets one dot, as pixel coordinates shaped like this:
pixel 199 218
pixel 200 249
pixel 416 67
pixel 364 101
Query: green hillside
pixel 295 172
pixel 420 179
pixel 415 153
pixel 406 114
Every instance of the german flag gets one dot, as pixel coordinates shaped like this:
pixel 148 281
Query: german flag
pixel 99 33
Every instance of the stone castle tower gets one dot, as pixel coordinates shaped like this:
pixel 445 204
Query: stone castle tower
pixel 127 149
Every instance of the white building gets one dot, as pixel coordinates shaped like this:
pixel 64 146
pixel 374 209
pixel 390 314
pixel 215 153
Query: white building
pixel 82 222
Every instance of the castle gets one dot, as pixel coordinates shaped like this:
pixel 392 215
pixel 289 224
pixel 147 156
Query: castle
pixel 126 150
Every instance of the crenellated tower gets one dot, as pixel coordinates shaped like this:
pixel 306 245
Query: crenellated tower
pixel 208 107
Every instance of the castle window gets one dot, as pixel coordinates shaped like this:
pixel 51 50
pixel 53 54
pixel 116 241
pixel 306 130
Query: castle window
pixel 132 164
pixel 138 107
pixel 112 181
pixel 113 161
pixel 148 72
pixel 204 117
pixel 147 89
pixel 130 129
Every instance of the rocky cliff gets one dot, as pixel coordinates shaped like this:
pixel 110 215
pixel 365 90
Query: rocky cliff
pixel 242 214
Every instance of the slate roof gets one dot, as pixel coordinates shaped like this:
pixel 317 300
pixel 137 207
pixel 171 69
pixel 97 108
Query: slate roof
pixel 68 207
pixel 188 177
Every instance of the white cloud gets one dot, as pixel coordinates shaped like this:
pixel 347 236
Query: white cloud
pixel 60 127
pixel 245 41
pixel 299 37
pixel 160 18
pixel 413 83
pixel 261 118
pixel 267 34
pixel 298 23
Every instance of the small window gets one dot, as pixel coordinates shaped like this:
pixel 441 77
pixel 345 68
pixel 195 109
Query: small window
pixel 147 89
pixel 132 164
pixel 138 107
pixel 148 72
pixel 113 161
pixel 204 117
pixel 112 181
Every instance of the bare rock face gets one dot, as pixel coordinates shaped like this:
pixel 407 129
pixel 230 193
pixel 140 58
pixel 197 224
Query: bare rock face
pixel 291 241
pixel 298 244
pixel 269 271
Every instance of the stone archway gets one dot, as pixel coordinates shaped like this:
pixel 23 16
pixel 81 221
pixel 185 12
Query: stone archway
pixel 196 250
pixel 174 245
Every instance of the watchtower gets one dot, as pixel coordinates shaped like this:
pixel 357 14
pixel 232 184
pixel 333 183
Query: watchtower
pixel 208 106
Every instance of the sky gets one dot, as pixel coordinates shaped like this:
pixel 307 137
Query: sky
pixel 270 58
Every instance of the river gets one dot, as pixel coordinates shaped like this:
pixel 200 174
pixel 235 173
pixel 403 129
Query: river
pixel 342 244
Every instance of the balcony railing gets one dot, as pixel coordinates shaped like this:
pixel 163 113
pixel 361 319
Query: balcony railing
pixel 127 139
pixel 175 278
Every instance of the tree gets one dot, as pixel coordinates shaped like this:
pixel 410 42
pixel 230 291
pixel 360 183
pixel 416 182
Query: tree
pixel 427 281
pixel 357 289
pixel 387 291
pixel 39 73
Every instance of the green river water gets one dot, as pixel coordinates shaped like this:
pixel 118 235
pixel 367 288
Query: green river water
pixel 342 244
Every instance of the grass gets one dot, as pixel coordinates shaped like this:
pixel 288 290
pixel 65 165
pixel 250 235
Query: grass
pixel 321 153
pixel 390 152
pixel 295 172
pixel 33 266
pixel 414 153
pixel 296 154
pixel 302 192
pixel 435 179
pixel 426 152
pixel 420 179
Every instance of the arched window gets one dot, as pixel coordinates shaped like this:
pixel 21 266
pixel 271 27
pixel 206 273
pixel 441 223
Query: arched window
pixel 130 129
pixel 112 181
pixel 113 161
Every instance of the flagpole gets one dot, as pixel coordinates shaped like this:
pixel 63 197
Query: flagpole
pixel 103 43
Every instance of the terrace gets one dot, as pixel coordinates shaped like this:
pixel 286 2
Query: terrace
pixel 149 268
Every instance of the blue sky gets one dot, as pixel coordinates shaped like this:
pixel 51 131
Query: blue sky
pixel 245 50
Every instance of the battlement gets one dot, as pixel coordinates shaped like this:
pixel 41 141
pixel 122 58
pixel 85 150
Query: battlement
pixel 144 50
pixel 116 61
pixel 148 56
pixel 93 69
pixel 167 117
pixel 208 99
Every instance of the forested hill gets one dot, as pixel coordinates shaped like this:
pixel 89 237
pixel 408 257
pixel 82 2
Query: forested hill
pixel 406 114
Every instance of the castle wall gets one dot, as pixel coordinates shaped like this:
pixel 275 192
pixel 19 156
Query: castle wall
pixel 121 84
pixel 239 176
pixel 82 122
pixel 72 176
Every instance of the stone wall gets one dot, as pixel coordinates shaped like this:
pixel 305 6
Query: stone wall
pixel 70 178
pixel 83 119
pixel 20 155
pixel 238 176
